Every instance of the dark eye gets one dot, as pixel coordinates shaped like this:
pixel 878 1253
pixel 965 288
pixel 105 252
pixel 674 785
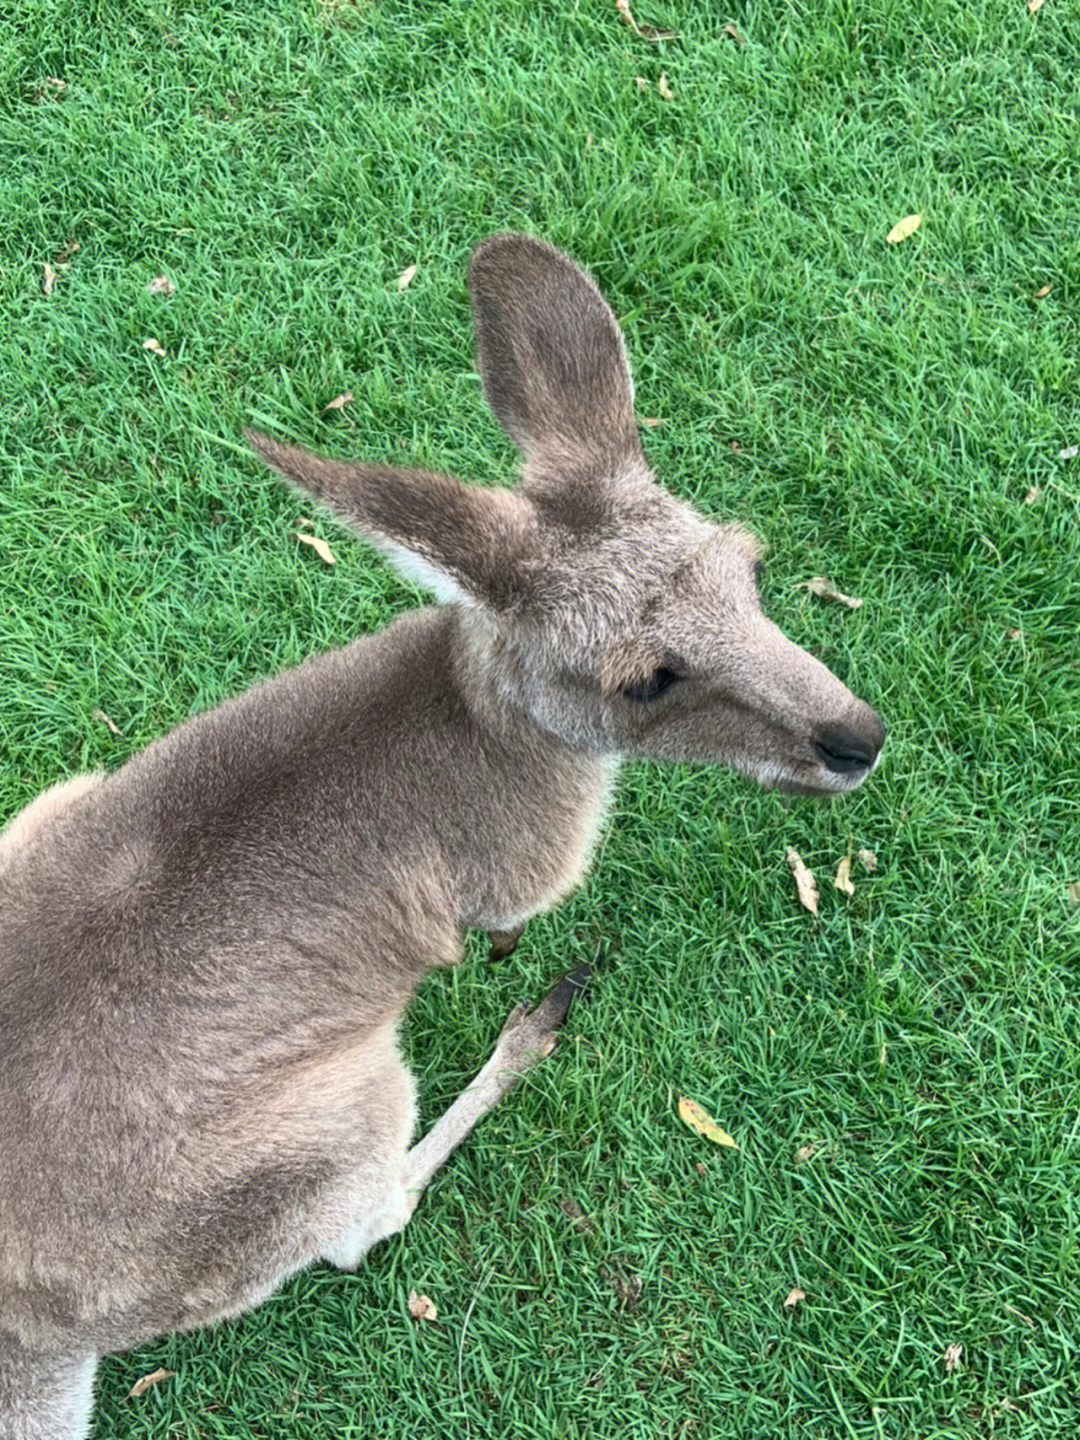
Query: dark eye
pixel 649 689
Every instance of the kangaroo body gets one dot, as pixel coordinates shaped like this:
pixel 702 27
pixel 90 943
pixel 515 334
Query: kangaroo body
pixel 204 957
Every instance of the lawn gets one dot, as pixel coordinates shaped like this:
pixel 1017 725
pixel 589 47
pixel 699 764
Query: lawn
pixel 902 1073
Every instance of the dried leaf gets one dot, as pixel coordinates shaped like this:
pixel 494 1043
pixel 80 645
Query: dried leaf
pixel 804 1153
pixel 422 1308
pixel 826 590
pixel 573 1211
pixel 100 715
pixel 1042 293
pixel 691 1113
pixel 48 281
pixel 843 876
pixel 736 447
pixel 793 1298
pixel 71 245
pixel 666 92
pixel 339 401
pixel 627 1287
pixel 644 32
pixel 1021 1316
pixel 952 1358
pixel 651 421
pixel 407 276
pixel 804 881
pixel 1070 452
pixel 321 548
pixel 642 83
pixel 154 1378
pixel 734 33
pixel 903 229
pixel 1032 495
pixel 867 859
pixel 161 285
pixel 1074 892
pixel 155 346
pixel 1035 6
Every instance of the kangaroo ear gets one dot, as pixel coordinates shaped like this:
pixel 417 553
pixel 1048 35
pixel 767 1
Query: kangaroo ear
pixel 552 357
pixel 464 543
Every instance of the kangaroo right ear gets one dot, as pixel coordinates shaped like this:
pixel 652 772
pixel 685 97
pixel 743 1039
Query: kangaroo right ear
pixel 463 542
pixel 552 357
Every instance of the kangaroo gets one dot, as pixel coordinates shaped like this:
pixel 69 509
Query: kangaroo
pixel 204 957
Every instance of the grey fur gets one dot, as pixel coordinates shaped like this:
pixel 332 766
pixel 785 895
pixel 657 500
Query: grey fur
pixel 204 957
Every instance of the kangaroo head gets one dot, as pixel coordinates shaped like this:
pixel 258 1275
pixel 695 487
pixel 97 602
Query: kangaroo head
pixel 592 599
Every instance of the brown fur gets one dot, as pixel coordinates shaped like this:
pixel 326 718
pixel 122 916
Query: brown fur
pixel 204 956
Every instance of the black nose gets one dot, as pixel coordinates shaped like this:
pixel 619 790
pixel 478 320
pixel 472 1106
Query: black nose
pixel 845 751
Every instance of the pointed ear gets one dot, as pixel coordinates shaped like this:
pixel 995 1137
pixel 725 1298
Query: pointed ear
pixel 551 357
pixel 463 543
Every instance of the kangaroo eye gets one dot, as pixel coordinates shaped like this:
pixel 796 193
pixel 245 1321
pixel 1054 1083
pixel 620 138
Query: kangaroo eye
pixel 649 689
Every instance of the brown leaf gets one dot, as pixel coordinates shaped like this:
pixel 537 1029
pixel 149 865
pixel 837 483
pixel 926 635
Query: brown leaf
pixel 793 1298
pixel 155 346
pixel 734 33
pixel 952 1358
pixel 71 245
pixel 804 1153
pixel 407 276
pixel 100 715
pixel 48 280
pixel 573 1211
pixel 422 1308
pixel 321 548
pixel 867 859
pixel 804 881
pixel 1042 293
pixel 644 32
pixel 161 285
pixel 627 1287
pixel 666 92
pixel 691 1113
pixel 843 876
pixel 826 590
pixel 154 1378
pixel 903 229
pixel 736 447
pixel 339 401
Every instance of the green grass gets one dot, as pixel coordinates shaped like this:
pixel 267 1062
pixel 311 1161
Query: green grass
pixel 879 415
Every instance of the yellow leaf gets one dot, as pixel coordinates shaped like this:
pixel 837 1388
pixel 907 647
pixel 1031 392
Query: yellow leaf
pixel 321 548
pixel 805 883
pixel 826 590
pixel 421 1307
pixel 155 346
pixel 691 1113
pixel 154 1378
pixel 952 1358
pixel 843 876
pixel 645 32
pixel 793 1299
pixel 666 92
pixel 867 859
pixel 1043 291
pixel 903 229
pixel 407 276
pixel 339 402
pixel 1035 6
pixel 161 285
pixel 48 281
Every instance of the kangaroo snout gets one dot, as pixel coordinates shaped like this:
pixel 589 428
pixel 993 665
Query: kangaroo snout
pixel 852 748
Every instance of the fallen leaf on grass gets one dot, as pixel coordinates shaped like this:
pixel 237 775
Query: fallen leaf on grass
pixel 100 715
pixel 666 92
pixel 1070 452
pixel 321 548
pixel 154 1378
pixel 1035 6
pixel 161 285
pixel 407 276
pixel 642 83
pixel 952 1358
pixel 804 1153
pixel 867 859
pixel 627 1286
pixel 1021 1316
pixel 1032 495
pixel 1074 892
pixel 843 876
pixel 573 1211
pixel 651 421
pixel 155 346
pixel 691 1113
pixel 71 245
pixel 826 590
pixel 1042 294
pixel 793 1298
pixel 734 33
pixel 421 1307
pixel 339 401
pixel 48 280
pixel 644 32
pixel 805 883
pixel 903 229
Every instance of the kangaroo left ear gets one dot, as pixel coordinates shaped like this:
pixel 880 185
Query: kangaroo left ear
pixel 464 543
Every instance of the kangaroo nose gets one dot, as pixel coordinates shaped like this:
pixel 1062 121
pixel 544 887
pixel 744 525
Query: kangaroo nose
pixel 844 750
